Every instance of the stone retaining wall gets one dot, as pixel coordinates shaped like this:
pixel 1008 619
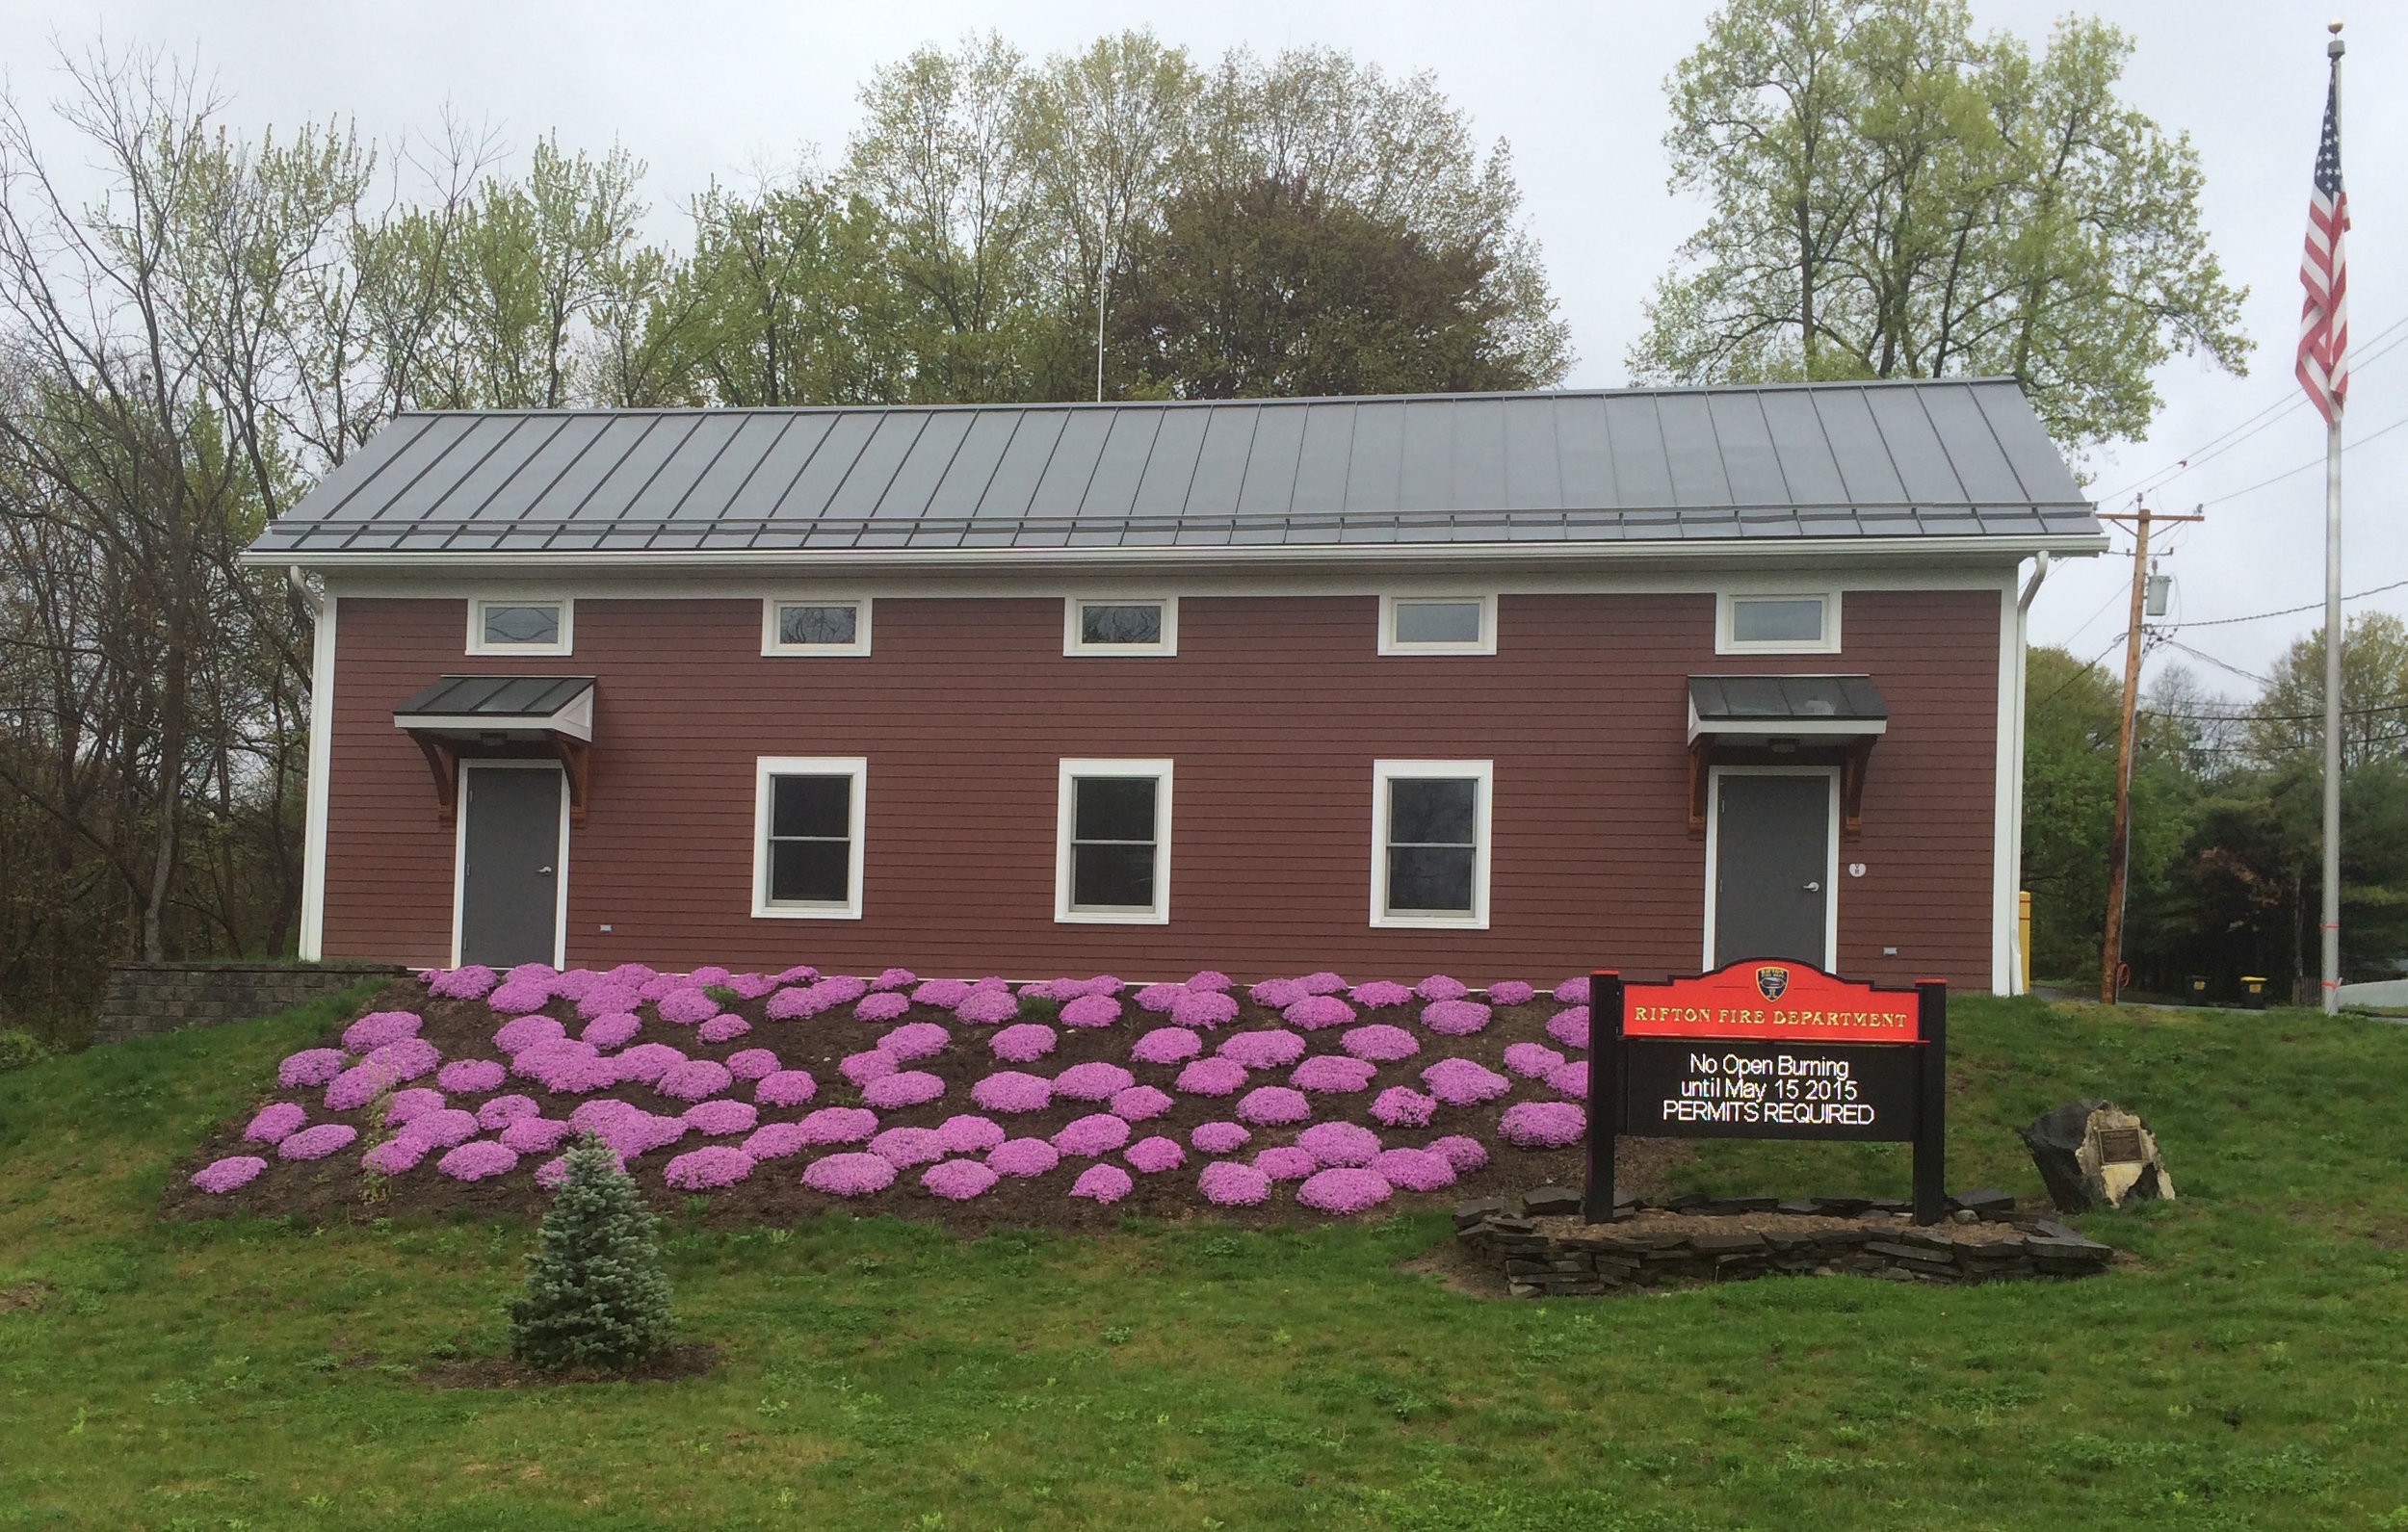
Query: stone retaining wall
pixel 144 999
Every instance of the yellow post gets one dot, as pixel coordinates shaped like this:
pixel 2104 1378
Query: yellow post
pixel 2023 936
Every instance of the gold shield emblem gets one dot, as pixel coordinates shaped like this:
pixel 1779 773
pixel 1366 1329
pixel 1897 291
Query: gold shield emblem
pixel 1770 981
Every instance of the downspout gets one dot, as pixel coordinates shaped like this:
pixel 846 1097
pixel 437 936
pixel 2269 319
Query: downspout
pixel 311 944
pixel 2023 612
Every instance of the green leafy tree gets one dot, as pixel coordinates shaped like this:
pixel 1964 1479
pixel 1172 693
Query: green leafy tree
pixel 1892 196
pixel 597 1295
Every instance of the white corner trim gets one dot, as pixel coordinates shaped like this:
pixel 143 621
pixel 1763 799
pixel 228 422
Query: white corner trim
pixel 1712 959
pixel 1072 643
pixel 772 645
pixel 1391 644
pixel 313 905
pixel 2006 796
pixel 1064 816
pixel 477 604
pixel 460 854
pixel 1829 595
pixel 1386 772
pixel 767 767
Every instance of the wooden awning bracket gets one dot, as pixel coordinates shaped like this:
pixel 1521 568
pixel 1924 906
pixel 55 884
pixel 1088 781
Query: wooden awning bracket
pixel 443 760
pixel 445 753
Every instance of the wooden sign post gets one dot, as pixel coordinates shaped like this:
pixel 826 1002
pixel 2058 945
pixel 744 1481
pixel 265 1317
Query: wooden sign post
pixel 1767 1050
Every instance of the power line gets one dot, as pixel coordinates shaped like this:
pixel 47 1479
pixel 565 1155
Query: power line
pixel 2221 665
pixel 2259 616
pixel 2274 717
pixel 2313 462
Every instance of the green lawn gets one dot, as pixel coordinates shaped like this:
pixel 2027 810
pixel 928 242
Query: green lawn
pixel 2248 1370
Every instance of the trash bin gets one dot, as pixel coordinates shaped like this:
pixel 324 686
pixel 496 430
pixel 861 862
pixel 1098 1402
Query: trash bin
pixel 2199 988
pixel 2253 990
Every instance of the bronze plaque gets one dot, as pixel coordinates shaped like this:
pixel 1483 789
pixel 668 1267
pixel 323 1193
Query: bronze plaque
pixel 2120 1146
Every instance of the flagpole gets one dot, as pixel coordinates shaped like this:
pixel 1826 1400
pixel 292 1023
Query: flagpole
pixel 2331 930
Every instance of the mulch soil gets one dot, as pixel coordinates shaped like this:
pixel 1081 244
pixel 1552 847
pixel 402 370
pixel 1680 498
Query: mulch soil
pixel 335 1189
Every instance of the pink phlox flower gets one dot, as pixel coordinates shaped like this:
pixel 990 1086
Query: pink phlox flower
pixel 358 1085
pixel 709 976
pixel 872 1063
pixel 787 1087
pixel 1331 1074
pixel 776 1141
pixel 1159 998
pixel 1049 989
pixel 409 1105
pixel 1341 1193
pixel 1167 1045
pixel 957 1180
pixel 535 1135
pixel 696 1080
pixel 724 1027
pixel 1531 1061
pixel 909 1088
pixel 752 1063
pixel 1208 981
pixel 311 1066
pixel 1219 1138
pixel 1204 1008
pixel 841 989
pixel 987 1007
pixel 1008 1091
pixel 1323 983
pixel 630 973
pixel 965 1134
pixel 1463 1082
pixel 708 1168
pixel 1400 1106
pixel 409 1058
pixel 1087 1137
pixel 1103 986
pixel 642 1132
pixel 1381 995
pixel 443 1127
pixel 221 1176
pixel 573 1075
pixel 1139 1104
pixel 1264 1049
pixel 1211 1077
pixel 661 986
pixel 1274 1106
pixel 1275 994
pixel 1094 1081
pixel 1379 1043
pixel 277 1122
pixel 1542 1124
pixel 1441 987
pixel 614 1029
pixel 751 986
pixel 884 1006
pixel 1455 1018
pixel 1570 1079
pixel 1465 1155
pixel 1090 1010
pixel 607 999
pixel 905 1147
pixel 591 1117
pixel 1286 1162
pixel 471 1077
pixel 848 1174
pixel 1022 1042
pixel 894 978
pixel 915 1040
pixel 471 983
pixel 1317 1011
pixel 576 983
pixel 791 1006
pixel 800 973
pixel 1226 1183
pixel 1339 1144
pixel 393 1157
pixel 317 1143
pixel 526 1032
pixel 1153 1156
pixel 552 1173
pixel 1510 992
pixel 518 997
pixel 687 1007
pixel 1573 991
pixel 942 993
pixel 1414 1169
pixel 377 1028
pixel 503 1110
pixel 534 1061
pixel 722 1118
pixel 1570 1028
pixel 1023 1158
pixel 1105 1185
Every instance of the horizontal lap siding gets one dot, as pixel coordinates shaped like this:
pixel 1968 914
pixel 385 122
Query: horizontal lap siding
pixel 1273 711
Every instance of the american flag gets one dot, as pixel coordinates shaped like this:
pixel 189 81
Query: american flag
pixel 2323 271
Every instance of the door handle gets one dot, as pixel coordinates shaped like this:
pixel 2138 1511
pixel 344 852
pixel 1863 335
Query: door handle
pixel 1811 888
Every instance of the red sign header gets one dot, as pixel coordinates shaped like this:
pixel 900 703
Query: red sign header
pixel 1795 1001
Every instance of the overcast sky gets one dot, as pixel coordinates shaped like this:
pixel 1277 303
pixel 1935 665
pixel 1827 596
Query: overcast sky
pixel 700 89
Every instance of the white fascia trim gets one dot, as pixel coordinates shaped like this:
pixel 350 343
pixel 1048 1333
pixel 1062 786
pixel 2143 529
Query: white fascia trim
pixel 1071 628
pixel 477 604
pixel 1831 844
pixel 1391 644
pixel 1384 773
pixel 459 855
pixel 1828 595
pixel 771 646
pixel 313 906
pixel 1065 813
pixel 2006 809
pixel 763 768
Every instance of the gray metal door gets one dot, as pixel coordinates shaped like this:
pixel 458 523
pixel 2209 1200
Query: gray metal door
pixel 509 882
pixel 1772 856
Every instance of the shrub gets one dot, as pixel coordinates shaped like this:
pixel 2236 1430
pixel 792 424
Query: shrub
pixel 1274 1106
pixel 723 1029
pixel 874 1063
pixel 1379 1042
pixel 776 1141
pixel 481 1159
pixel 721 1119
pixel 534 1135
pixel 1167 1045
pixel 317 1143
pixel 502 1112
pixel 1159 998
pixel 1317 1011
pixel 1414 1169
pixel 1510 992
pixel 1226 1183
pixel 839 1125
pixel 1088 1138
pixel 752 1063
pixel 1219 1138
pixel 1380 995
pixel 1011 1091
pixel 1532 1061
pixel 596 1294
pixel 696 1080
pixel 915 1040
pixel 1156 1154
pixel 1465 1155
pixel 1455 1018
pixel 1542 1124
pixel 1212 1077
pixel 1570 1028
pixel 1023 1158
pixel 311 1066
pixel 221 1176
pixel 787 1087
pixel 276 1124
pixel 1341 1193
pixel 966 1134
pixel 1090 1010
pixel 1339 1144
pixel 910 1087
pixel 1094 1081
pixel 1204 1008
pixel 1441 987
pixel 1139 1104
pixel 848 1174
pixel 1461 1082
pixel 884 1006
pixel 1105 1185
pixel 377 1028
pixel 1269 1050
pixel 905 1147
pixel 471 1077
pixel 526 1032
pixel 987 1007
pixel 957 1180
pixel 1287 1163
pixel 1331 1074
pixel 1400 1107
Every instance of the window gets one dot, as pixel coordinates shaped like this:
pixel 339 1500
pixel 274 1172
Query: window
pixel 839 628
pixel 1430 843
pixel 1120 625
pixel 518 626
pixel 1437 625
pixel 1114 859
pixel 806 840
pixel 1783 623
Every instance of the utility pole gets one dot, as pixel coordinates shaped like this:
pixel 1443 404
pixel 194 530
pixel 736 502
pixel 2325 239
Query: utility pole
pixel 2119 833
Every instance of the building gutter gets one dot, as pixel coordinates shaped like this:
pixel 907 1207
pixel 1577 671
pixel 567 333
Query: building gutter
pixel 2023 659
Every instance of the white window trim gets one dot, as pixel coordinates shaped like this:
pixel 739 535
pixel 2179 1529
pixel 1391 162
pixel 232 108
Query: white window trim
pixel 1384 773
pixel 1073 645
pixel 460 854
pixel 476 624
pixel 771 644
pixel 1831 873
pixel 1391 644
pixel 767 766
pixel 1724 643
pixel 1064 822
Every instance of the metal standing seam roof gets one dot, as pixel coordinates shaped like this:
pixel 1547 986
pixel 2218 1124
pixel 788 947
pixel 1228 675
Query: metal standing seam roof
pixel 1950 459
pixel 498 698
pixel 1852 699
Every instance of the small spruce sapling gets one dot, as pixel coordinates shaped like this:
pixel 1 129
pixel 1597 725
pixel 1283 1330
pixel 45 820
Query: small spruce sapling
pixel 597 1295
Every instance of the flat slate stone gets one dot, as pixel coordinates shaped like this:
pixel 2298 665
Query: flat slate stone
pixel 1986 1202
pixel 1726 1244
pixel 1468 1214
pixel 1549 1201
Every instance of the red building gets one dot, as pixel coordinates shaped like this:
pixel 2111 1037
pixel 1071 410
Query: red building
pixel 1508 686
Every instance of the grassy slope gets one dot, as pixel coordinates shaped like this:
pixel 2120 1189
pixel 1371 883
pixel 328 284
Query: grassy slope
pixel 2247 1371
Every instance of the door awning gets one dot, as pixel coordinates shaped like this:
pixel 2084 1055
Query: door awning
pixel 502 715
pixel 1829 720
